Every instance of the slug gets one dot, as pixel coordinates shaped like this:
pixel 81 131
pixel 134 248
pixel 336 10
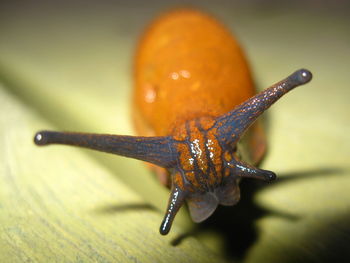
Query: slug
pixel 193 100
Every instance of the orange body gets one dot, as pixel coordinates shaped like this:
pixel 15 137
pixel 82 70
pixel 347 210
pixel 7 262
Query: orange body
pixel 187 66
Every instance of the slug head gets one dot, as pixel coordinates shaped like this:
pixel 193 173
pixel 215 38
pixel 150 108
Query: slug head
pixel 201 154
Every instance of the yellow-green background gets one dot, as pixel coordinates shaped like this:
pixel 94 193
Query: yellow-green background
pixel 66 65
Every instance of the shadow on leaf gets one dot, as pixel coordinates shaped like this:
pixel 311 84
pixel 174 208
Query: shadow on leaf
pixel 112 209
pixel 237 224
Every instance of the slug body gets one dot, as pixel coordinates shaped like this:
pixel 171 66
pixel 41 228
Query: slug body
pixel 184 69
pixel 194 99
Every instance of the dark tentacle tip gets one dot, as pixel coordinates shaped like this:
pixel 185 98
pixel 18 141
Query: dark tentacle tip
pixel 164 228
pixel 40 138
pixel 302 76
pixel 270 176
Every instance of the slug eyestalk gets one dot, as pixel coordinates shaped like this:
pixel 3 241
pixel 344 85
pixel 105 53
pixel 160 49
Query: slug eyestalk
pixel 205 170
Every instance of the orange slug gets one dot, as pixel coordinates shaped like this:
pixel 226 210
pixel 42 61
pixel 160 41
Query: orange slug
pixel 194 98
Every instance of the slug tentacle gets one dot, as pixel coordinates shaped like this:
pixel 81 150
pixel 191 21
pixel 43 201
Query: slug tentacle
pixel 156 150
pixel 243 169
pixel 206 168
pixel 176 200
pixel 232 125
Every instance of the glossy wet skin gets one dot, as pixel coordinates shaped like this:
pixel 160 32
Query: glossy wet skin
pixel 187 66
pixel 197 131
pixel 200 155
pixel 203 169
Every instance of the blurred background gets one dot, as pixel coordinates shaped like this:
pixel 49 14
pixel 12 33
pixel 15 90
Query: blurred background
pixel 67 65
